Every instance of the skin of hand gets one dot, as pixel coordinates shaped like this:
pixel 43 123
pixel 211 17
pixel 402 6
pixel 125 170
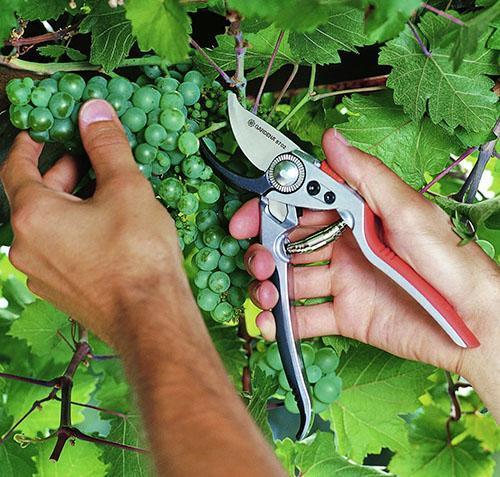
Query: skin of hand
pixel 367 305
pixel 113 263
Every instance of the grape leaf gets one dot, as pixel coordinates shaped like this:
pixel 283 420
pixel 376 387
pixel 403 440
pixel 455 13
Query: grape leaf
pixel 56 51
pixel 386 18
pixel 161 25
pixel 317 457
pixel 123 463
pixel 410 148
pixel 420 83
pixel 263 387
pixel 42 9
pixel 340 344
pixel 84 459
pixel 430 453
pixel 8 19
pixel 38 325
pixel 377 387
pixel 494 40
pixel 483 428
pixel 342 31
pixel 17 295
pixel 111 35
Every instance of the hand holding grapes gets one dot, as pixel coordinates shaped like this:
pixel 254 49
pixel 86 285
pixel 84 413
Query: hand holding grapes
pixel 366 304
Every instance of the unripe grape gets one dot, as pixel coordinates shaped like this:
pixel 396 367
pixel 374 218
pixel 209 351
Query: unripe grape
pixel 145 153
pixel 155 134
pixel 188 143
pixel 145 170
pixel 172 119
pixel 207 259
pixel 201 279
pixel 190 92
pixel 171 100
pixel 119 103
pixel 273 357
pixel 40 96
pixel 327 389
pixel 283 381
pixel 63 130
pixel 207 300
pixel 170 143
pixel 19 115
pixel 72 84
pixel 308 354
pixel 94 91
pixel 61 105
pixel 226 264
pixel 146 98
pixel 231 207
pixel 188 204
pixel 209 192
pixel 229 246
pixel 327 360
pixel 195 77
pixel 219 282
pixel 213 236
pixel 170 190
pixel 236 295
pixel 121 86
pixel 223 312
pixel 134 118
pixel 50 84
pixel 152 71
pixel 40 119
pixel 192 167
pixel 166 85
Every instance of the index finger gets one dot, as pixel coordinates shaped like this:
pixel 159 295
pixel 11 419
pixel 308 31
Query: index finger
pixel 21 167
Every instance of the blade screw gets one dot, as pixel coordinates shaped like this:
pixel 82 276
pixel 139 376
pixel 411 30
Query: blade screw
pixel 313 188
pixel 329 197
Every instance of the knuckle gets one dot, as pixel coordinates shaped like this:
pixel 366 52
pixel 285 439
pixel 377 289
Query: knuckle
pixel 16 258
pixel 129 184
pixel 25 218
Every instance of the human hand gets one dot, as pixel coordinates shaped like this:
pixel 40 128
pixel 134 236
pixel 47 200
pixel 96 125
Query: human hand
pixel 90 257
pixel 367 305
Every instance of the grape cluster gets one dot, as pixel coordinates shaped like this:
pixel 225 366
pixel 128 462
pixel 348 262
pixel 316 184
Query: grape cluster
pixel 162 113
pixel 320 364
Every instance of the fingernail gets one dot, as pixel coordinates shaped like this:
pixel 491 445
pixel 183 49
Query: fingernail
pixel 340 138
pixel 96 110
pixel 249 261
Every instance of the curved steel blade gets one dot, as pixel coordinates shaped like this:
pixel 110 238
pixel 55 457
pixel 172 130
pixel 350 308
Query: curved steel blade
pixel 259 141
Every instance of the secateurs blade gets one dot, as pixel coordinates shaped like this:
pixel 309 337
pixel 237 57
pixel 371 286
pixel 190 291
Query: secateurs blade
pixel 293 179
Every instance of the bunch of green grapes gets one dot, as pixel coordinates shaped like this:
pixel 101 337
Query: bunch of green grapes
pixel 320 364
pixel 163 113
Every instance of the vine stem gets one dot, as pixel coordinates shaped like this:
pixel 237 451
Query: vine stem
pixel 213 64
pixel 284 89
pixel 419 40
pixel 456 410
pixel 319 97
pixel 37 382
pixel 212 128
pixel 255 107
pixel 49 36
pixel 443 14
pixel 240 48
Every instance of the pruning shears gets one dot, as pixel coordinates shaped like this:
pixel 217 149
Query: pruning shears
pixel 291 180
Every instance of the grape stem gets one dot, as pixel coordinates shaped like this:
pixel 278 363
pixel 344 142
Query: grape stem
pixel 212 128
pixel 240 48
pixel 443 14
pixel 212 63
pixel 283 91
pixel 456 410
pixel 46 37
pixel 420 42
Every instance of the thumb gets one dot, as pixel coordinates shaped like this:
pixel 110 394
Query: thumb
pixel 105 141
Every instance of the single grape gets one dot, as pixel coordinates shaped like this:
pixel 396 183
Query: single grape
pixel 94 91
pixel 226 264
pixel 318 406
pixel 236 295
pixel 192 167
pixel 40 96
pixel 63 130
pixel 154 116
pixel 273 357
pixel 171 100
pixel 188 204
pixel 39 136
pixel 72 84
pixel 192 126
pixel 205 219
pixel 206 174
pixel 284 381
pixel 290 403
pixel 145 153
pixel 327 389
pixel 229 246
pixel 134 118
pixel 119 103
pixel 190 92
pixel 188 143
pixel 121 86
pixel 61 105
pixel 219 282
pixel 145 169
pixel 17 92
pixel 183 67
pixel 176 156
pixel 209 192
pixel 152 71
pixel 75 112
pixel 244 244
pixel 172 119
pixel 213 236
pixel 155 134
pixel 201 279
pixel 170 143
pixel 170 190
pixel 162 163
pixel 240 278
pixel 176 75
pixel 40 119
pixel 313 373
pixel 98 80
pixel 195 77
pixel 190 233
pixel 207 259
pixel 231 207
pixel 307 354
pixel 49 83
pixel 223 312
pixel 327 360
pixel 239 260
pixel 207 300
pixel 146 98
pixel 166 85
pixel 19 115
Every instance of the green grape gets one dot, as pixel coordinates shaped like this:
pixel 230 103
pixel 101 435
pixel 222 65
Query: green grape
pixel 327 360
pixel 176 75
pixel 170 190
pixel 132 140
pixel 50 84
pixel 162 163
pixel 61 105
pixel 171 100
pixel 94 91
pixel 75 113
pixel 207 259
pixel 240 278
pixel 206 173
pixel 155 134
pixel 231 207
pixel 145 170
pixel 209 192
pixel 199 242
pixel 192 167
pixel 209 104
pixel 192 126
pixel 181 243
pixel 145 153
pixel 175 155
pixel 172 119
pixel 121 86
pixel 284 381
pixel 244 244
pixel 280 392
pixel 166 85
pixel 19 115
pixel 207 300
pixel 152 71
pixel 273 357
pixel 63 130
pixel 290 403
pixel 72 84
pixel 307 354
pixel 235 295
pixel 153 116
pixel 229 246
pixel 119 103
pixel 134 118
pixel 195 77
pixel 313 373
pixel 190 92
pixel 170 143
pixel 327 389
pixel 205 219
pixel 226 264
pixel 223 312
pixel 201 279
pixel 183 67
pixel 39 136
pixel 188 143
pixel 213 236
pixel 98 80
pixel 239 260
pixel 17 92
pixel 40 96
pixel 40 119
pixel 142 80
pixel 188 204
pixel 146 98
pixel 219 282
pixel 318 406
pixel 190 233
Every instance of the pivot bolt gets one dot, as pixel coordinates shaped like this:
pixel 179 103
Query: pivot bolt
pixel 313 188
pixel 329 197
